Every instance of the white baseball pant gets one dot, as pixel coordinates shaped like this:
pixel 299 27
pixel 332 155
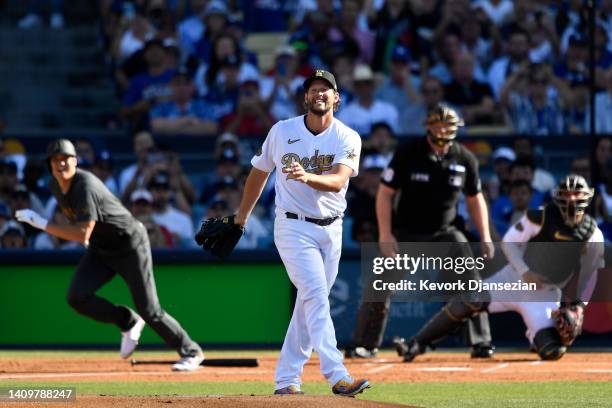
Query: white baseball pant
pixel 536 312
pixel 310 254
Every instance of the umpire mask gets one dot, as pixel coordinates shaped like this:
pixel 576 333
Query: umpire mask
pixel 442 123
pixel 573 195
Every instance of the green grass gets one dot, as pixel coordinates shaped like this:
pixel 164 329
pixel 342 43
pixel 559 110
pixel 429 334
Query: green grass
pixel 431 395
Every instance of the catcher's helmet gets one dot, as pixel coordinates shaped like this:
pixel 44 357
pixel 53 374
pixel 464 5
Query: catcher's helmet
pixel 573 195
pixel 59 146
pixel 442 123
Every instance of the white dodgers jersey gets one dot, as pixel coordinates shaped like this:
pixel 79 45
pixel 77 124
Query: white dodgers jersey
pixel 289 141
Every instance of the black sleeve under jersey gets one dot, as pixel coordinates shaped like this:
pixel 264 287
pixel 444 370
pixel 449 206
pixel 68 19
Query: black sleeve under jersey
pixel 472 178
pixel 392 175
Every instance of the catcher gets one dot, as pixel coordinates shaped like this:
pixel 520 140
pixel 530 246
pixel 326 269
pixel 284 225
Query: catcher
pixel 554 312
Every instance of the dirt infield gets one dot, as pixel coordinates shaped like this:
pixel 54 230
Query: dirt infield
pixel 302 401
pixel 432 367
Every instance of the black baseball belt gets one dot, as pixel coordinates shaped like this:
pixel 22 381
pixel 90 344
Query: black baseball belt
pixel 321 222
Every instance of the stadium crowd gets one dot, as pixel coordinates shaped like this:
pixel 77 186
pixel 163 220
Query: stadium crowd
pixel 181 67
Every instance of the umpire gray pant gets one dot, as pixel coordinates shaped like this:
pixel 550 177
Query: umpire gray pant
pixel 134 264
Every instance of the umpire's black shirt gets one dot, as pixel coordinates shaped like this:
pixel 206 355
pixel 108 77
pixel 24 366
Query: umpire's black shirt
pixel 88 199
pixel 429 186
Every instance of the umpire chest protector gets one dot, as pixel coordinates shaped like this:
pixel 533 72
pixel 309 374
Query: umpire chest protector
pixel 555 251
pixel 429 186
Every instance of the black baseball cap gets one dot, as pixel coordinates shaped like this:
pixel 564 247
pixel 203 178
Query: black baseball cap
pixel 320 74
pixel 161 180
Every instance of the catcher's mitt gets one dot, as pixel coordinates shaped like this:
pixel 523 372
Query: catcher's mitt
pixel 219 235
pixel 568 321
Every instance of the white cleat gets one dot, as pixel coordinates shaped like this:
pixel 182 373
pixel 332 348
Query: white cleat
pixel 190 363
pixel 129 339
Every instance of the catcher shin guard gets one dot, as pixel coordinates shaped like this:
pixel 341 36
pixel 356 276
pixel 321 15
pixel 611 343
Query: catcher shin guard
pixel 371 323
pixel 548 344
pixel 449 319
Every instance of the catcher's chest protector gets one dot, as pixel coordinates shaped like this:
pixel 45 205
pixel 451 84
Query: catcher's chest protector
pixel 557 262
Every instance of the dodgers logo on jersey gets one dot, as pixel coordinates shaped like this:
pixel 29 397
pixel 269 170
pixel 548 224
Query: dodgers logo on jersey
pixel 317 164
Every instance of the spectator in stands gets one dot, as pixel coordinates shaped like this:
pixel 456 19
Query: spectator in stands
pixel 141 206
pixel 348 26
pixel 536 20
pixel 131 34
pixel 34 16
pixel 270 16
pixel 165 214
pixel 34 178
pixel 412 118
pixel 103 168
pixel 499 183
pixel 218 208
pixel 392 19
pixel 224 95
pixel 480 38
pixel 366 109
pixel 448 50
pixel 5 214
pixel 228 191
pixel 8 179
pixel 573 68
pixel 497 10
pixel 225 52
pixel 381 142
pixel 228 165
pixel 516 54
pixel 531 105
pixel 577 115
pixel 85 153
pixel 44 240
pixel 602 154
pixel 251 117
pixel 399 87
pixel 149 88
pixel 474 97
pixel 183 114
pixel 543 180
pixel 191 29
pixel 522 169
pixel 603 106
pixel 131 177
pixel 21 198
pixel 215 21
pixel 12 236
pixel 520 193
pixel 278 89
pixel 323 48
pixel 184 193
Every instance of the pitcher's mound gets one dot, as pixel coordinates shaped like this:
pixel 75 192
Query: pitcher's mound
pixel 259 401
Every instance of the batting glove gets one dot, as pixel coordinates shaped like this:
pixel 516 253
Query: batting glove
pixel 32 218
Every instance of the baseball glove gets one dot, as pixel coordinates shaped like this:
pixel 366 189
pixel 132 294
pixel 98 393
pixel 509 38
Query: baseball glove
pixel 219 235
pixel 568 321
